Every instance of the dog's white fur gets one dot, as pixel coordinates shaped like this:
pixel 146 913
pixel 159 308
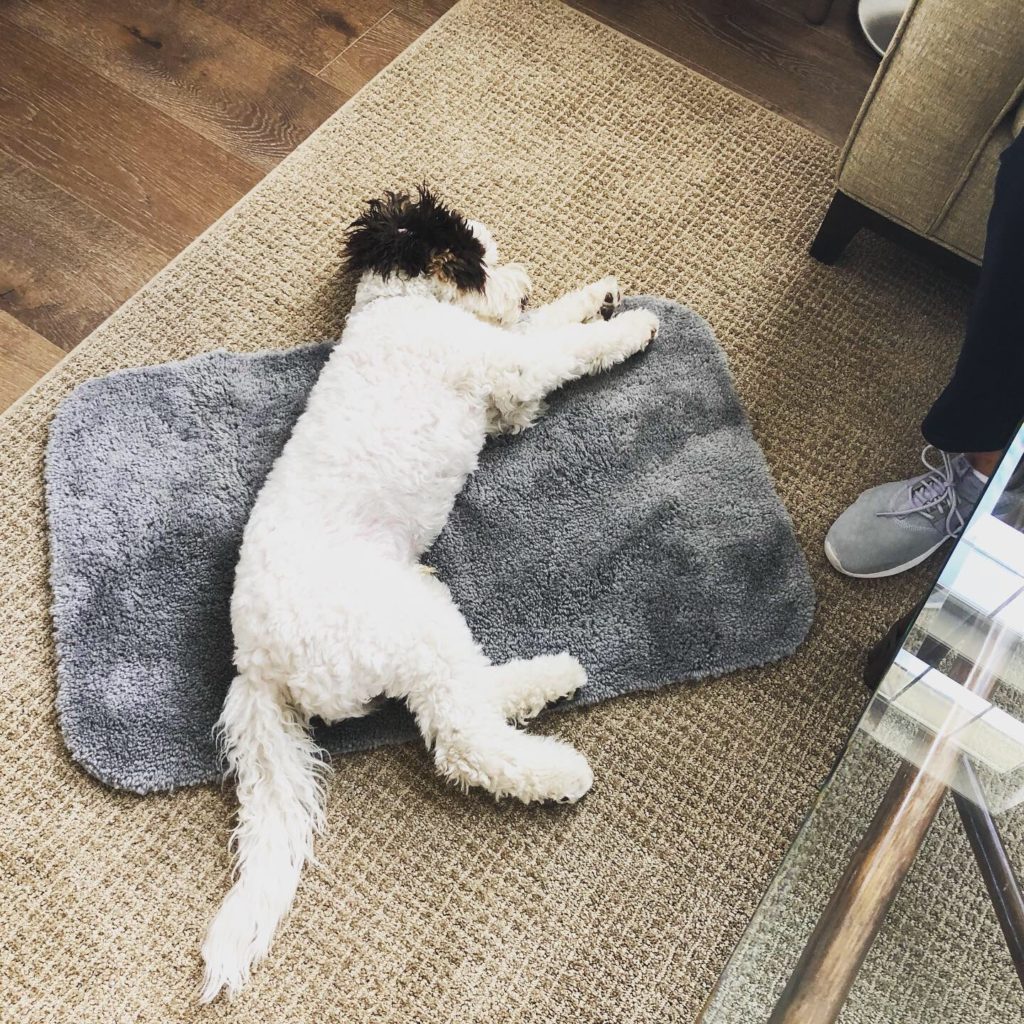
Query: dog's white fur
pixel 331 607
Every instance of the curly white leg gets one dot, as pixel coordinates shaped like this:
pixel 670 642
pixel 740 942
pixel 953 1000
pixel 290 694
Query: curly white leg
pixel 526 686
pixel 462 719
pixel 599 299
pixel 543 361
pixel 508 762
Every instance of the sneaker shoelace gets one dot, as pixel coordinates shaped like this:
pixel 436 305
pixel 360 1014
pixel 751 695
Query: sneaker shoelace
pixel 929 494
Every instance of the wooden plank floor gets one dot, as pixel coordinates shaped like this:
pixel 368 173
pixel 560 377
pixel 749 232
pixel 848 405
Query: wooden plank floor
pixel 127 127
pixel 815 75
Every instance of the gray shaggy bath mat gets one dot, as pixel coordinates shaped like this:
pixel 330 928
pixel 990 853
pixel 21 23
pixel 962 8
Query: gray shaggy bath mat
pixel 636 526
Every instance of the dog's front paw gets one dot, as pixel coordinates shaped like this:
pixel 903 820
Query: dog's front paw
pixel 599 299
pixel 610 296
pixel 642 327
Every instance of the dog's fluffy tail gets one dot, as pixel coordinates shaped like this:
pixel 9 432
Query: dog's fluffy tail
pixel 279 771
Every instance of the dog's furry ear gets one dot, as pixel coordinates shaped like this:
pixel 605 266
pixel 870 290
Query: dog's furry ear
pixel 415 236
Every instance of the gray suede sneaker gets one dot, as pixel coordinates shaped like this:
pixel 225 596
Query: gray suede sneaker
pixel 893 527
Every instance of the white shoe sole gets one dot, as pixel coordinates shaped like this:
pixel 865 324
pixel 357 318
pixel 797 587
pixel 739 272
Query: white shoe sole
pixel 894 571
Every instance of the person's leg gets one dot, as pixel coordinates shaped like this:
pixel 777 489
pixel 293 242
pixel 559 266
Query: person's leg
pixel 984 401
pixel 984 462
pixel 895 526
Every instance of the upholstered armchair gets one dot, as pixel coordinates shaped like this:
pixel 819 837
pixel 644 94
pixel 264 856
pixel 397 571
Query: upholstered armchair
pixel 921 159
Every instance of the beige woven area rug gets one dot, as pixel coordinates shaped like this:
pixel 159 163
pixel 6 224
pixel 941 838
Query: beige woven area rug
pixel 587 153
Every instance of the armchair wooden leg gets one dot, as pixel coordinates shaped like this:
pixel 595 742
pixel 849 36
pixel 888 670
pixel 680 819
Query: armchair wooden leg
pixel 843 219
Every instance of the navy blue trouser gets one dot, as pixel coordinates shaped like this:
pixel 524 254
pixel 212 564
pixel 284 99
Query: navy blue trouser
pixel 983 403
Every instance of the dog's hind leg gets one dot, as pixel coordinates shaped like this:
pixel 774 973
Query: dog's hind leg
pixel 524 687
pixel 460 704
pixel 474 745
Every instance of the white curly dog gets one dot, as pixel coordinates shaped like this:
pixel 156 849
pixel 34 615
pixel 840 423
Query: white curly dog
pixel 331 607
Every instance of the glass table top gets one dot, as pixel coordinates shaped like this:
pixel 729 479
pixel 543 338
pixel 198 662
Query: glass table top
pixel 898 900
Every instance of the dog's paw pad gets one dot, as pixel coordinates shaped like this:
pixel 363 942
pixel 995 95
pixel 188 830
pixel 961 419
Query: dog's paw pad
pixel 609 296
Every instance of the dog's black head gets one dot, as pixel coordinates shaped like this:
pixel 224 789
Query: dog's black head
pixel 414 236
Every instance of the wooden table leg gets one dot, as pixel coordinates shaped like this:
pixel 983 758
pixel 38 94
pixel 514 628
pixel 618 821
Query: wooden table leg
pixel 821 981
